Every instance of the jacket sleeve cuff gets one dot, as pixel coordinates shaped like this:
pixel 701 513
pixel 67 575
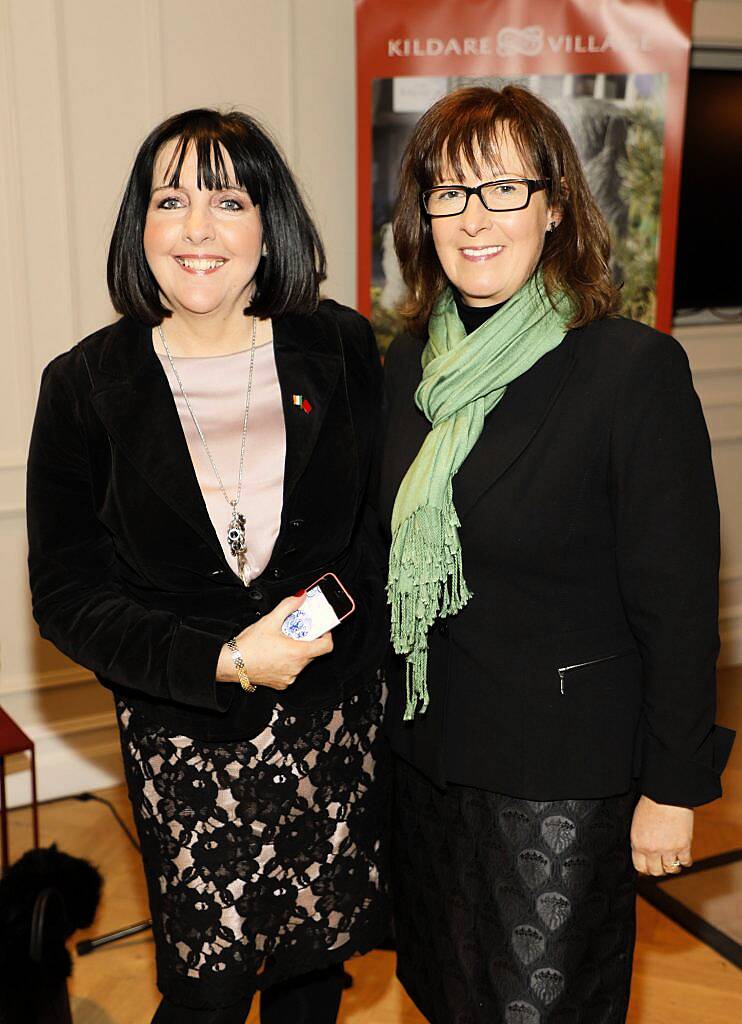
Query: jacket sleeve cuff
pixel 191 670
pixel 669 779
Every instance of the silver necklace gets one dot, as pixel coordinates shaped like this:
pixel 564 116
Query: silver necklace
pixel 236 531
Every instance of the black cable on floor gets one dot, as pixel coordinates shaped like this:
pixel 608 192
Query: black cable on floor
pixel 84 797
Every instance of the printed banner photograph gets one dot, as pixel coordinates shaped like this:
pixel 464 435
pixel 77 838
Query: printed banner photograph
pixel 615 73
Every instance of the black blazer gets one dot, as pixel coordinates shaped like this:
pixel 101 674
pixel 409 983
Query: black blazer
pixel 590 542
pixel 128 577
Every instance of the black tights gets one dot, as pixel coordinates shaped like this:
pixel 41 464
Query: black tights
pixel 309 999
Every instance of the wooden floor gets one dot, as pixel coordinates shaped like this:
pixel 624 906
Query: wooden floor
pixel 677 980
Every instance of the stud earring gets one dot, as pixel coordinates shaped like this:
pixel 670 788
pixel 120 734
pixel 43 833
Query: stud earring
pixel 551 226
pixel 264 250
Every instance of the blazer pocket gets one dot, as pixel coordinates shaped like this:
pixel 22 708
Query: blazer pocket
pixel 564 670
pixel 582 703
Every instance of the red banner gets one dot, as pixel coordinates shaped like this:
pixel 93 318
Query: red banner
pixel 615 72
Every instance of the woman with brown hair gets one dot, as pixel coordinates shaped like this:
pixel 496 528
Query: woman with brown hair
pixel 553 573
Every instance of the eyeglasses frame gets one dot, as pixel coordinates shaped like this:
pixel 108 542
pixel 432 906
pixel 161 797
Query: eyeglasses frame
pixel 534 185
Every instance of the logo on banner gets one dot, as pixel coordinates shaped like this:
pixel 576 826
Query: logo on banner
pixel 532 40
pixel 528 42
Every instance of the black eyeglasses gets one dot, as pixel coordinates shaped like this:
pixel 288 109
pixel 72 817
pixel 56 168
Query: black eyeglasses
pixel 497 196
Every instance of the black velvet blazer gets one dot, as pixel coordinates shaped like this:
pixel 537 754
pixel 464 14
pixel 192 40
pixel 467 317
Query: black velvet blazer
pixel 590 542
pixel 128 577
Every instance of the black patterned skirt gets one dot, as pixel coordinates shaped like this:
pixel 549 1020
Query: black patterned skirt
pixel 510 911
pixel 263 857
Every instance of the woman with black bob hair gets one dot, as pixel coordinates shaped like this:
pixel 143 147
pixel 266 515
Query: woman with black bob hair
pixel 194 467
pixel 293 263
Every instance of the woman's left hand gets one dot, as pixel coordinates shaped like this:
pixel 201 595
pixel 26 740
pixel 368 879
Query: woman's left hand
pixel 661 835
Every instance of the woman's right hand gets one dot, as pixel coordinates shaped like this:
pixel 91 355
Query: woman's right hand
pixel 271 658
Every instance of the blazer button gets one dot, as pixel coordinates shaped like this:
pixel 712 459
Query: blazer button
pixel 275 574
pixel 443 628
pixel 255 593
pixel 296 524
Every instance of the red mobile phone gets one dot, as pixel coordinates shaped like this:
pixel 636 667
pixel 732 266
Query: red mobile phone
pixel 326 604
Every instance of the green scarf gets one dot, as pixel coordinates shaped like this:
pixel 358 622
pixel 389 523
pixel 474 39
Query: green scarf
pixel 464 377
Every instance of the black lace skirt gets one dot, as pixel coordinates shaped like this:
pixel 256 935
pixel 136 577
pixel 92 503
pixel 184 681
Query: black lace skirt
pixel 509 911
pixel 263 858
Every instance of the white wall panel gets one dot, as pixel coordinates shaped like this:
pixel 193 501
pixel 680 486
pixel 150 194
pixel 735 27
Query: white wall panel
pixel 234 53
pixel 325 120
pixel 109 81
pixel 717 22
pixel 44 173
pixel 715 354
pixel 16 381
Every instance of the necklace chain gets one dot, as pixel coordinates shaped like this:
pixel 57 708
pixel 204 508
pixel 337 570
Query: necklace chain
pixel 230 501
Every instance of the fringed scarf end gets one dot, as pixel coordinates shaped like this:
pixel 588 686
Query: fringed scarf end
pixel 426 582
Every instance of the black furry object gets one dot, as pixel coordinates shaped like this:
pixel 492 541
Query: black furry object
pixel 44 897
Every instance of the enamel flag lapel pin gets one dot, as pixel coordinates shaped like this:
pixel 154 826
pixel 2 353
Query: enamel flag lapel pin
pixel 301 403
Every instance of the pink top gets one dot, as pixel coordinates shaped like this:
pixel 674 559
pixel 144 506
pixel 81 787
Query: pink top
pixel 216 387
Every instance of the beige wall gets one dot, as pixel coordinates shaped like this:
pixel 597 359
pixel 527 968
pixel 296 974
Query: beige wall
pixel 81 82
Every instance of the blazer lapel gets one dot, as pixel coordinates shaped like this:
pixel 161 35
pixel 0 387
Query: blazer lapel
pixel 308 363
pixel 134 402
pixel 508 430
pixel 512 425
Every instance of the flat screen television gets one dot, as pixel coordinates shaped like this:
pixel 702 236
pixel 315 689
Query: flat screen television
pixel 707 269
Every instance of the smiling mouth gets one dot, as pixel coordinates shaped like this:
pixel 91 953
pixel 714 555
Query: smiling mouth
pixel 200 265
pixel 483 252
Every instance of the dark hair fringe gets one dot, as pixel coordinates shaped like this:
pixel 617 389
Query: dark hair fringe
pixel 466 126
pixel 288 277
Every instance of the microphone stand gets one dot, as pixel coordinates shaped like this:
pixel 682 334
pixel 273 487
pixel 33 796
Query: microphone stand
pixel 86 946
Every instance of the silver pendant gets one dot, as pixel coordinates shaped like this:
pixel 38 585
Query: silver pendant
pixel 243 567
pixel 237 543
pixel 236 533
